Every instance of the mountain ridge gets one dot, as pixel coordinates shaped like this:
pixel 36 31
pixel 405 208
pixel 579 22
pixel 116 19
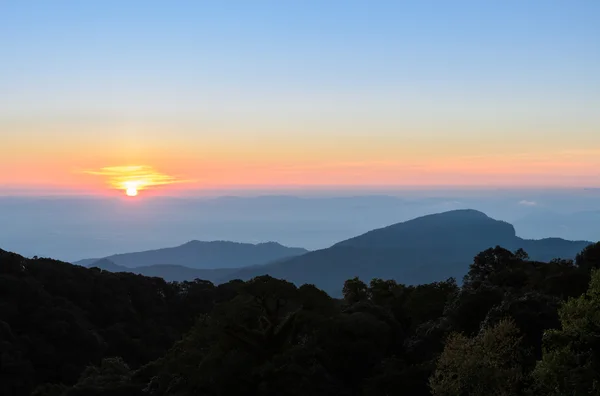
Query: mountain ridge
pixel 169 272
pixel 204 255
pixel 424 249
pixel 421 250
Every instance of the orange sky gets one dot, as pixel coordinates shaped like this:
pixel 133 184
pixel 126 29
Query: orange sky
pixel 60 156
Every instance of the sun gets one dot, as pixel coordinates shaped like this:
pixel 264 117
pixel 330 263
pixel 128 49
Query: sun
pixel 134 179
pixel 131 191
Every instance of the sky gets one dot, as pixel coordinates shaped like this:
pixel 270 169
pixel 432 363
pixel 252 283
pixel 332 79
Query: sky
pixel 101 96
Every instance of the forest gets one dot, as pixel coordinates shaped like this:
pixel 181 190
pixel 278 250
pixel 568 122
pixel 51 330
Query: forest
pixel 512 326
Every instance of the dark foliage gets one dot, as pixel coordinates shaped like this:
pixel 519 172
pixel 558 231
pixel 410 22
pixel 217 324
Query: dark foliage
pixel 57 318
pixel 515 327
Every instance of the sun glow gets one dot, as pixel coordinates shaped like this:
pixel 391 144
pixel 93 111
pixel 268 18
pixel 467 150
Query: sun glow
pixel 133 178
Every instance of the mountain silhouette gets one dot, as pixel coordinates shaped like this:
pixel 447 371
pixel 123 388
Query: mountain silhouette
pixel 168 272
pixel 426 249
pixel 204 255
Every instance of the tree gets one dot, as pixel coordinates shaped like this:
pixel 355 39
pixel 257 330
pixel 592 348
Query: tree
pixel 533 313
pixel 571 360
pixel 589 258
pixel 469 307
pixel 16 371
pixel 50 390
pixel 383 292
pixel 276 339
pixel 427 302
pixel 499 267
pixel 355 290
pixel 521 254
pixel 488 364
pixel 56 318
pixel 314 299
pixel 111 377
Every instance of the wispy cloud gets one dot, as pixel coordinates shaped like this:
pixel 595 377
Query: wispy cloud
pixel 527 203
pixel 134 176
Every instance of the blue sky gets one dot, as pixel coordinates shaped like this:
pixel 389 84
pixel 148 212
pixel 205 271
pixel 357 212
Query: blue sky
pixel 254 48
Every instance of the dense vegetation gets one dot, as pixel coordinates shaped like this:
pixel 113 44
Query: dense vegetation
pixel 514 327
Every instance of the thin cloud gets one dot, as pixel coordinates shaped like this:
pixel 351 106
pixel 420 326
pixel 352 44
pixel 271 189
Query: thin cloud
pixel 136 176
pixel 527 203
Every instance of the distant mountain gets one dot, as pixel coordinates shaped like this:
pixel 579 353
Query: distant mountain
pixel 425 249
pixel 204 255
pixel 578 225
pixel 167 271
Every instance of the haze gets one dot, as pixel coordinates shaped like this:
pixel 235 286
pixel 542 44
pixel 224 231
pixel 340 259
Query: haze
pixel 73 228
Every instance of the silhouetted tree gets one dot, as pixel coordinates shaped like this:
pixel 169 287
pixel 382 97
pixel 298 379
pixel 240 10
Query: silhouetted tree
pixel 589 258
pixel 514 325
pixel 355 290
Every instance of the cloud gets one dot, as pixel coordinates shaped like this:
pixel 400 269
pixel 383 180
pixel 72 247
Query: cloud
pixel 137 176
pixel 527 203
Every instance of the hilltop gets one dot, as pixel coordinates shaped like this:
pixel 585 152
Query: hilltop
pixel 425 249
pixel 204 255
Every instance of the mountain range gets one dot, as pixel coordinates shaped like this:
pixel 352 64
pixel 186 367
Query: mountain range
pixel 72 228
pixel 203 255
pixel 425 249
pixel 169 272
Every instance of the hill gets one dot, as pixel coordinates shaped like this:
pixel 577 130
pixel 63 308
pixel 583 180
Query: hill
pixel 204 255
pixel 425 249
pixel 169 272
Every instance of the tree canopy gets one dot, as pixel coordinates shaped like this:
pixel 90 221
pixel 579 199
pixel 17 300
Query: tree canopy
pixel 513 327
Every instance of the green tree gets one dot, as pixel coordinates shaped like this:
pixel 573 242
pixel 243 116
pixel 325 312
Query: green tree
pixel 571 359
pixel 488 364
